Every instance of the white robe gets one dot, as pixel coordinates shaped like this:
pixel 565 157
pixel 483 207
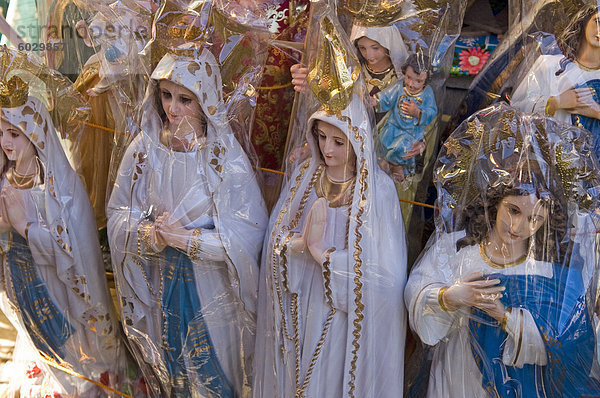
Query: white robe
pixel 63 241
pixel 212 187
pixel 454 372
pixel 541 83
pixel 334 328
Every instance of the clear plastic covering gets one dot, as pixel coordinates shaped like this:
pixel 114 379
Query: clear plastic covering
pixel 96 44
pixel 331 321
pixel 405 51
pixel 505 294
pixel 186 217
pixel 564 78
pixel 537 29
pixel 53 287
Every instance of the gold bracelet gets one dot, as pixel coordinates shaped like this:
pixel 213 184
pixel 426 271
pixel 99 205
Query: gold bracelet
pixel 195 244
pixel 547 110
pixel 505 318
pixel 441 298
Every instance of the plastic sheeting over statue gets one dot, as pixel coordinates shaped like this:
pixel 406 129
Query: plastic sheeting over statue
pixel 504 295
pixel 53 285
pixel 186 221
pixel 334 260
pixel 565 85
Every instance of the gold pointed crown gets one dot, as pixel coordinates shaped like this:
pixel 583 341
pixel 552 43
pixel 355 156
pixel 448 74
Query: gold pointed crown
pixel 13 91
pixel 187 31
pixel 334 70
pixel 374 13
pixel 24 74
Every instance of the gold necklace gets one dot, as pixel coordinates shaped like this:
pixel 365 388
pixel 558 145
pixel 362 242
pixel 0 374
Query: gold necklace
pixel 336 193
pixel 371 71
pixel 23 181
pixel 496 265
pixel 586 68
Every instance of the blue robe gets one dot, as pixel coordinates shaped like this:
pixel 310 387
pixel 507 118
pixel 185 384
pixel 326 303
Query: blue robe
pixel 589 123
pixel 558 306
pixel 48 328
pixel 189 346
pixel 401 131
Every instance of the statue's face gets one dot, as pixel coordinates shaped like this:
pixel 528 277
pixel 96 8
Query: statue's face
pixel 180 105
pixel 373 52
pixel 519 218
pixel 592 31
pixel 414 82
pixel 15 144
pixel 334 145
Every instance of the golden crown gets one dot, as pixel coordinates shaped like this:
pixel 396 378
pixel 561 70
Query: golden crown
pixel 13 93
pixel 374 13
pixel 334 70
pixel 481 145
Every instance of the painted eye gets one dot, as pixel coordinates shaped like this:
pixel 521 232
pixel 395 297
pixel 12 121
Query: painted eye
pixel 322 136
pixel 14 135
pixel 165 94
pixel 339 143
pixel 186 101
pixel 513 210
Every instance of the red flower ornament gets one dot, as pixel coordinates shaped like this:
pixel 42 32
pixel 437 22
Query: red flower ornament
pixel 473 59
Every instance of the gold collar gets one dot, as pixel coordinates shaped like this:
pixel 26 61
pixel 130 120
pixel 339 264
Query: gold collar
pixel 382 83
pixel 496 265
pixel 24 181
pixel 587 68
pixel 338 194
pixel 372 72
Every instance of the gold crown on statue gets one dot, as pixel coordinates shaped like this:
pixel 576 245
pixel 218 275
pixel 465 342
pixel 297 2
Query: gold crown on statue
pixel 374 13
pixel 13 93
pixel 334 70
pixel 489 140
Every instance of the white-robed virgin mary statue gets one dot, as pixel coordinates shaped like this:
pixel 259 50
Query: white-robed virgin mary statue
pixel 331 317
pixel 52 280
pixel 186 224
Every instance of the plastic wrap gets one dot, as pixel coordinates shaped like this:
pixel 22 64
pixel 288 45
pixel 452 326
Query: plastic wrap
pixel 505 294
pixel 391 38
pixel 53 286
pixel 563 80
pixel 288 22
pixel 534 29
pixel 334 260
pixel 186 218
pixel 112 79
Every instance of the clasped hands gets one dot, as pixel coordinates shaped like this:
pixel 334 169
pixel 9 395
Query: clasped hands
pixel 314 231
pixel 164 233
pixel 12 210
pixel 476 291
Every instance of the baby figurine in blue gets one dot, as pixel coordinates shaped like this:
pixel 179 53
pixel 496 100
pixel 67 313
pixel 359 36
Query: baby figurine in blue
pixel 411 106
